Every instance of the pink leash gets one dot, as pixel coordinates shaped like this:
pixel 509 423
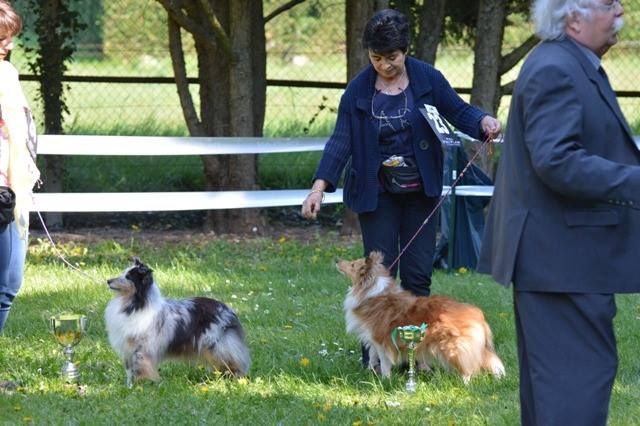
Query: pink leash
pixel 442 198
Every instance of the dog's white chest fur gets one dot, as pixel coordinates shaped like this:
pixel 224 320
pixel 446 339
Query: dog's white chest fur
pixel 354 324
pixel 124 328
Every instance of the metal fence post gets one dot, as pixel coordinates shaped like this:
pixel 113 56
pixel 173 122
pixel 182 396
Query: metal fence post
pixel 452 210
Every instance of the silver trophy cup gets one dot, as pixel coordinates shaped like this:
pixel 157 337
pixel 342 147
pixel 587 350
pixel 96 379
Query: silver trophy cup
pixel 68 329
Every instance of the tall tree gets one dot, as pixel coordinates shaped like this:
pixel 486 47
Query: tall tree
pixel 485 88
pixel 431 26
pixel 230 49
pixel 490 64
pixel 357 14
pixel 480 24
pixel 56 27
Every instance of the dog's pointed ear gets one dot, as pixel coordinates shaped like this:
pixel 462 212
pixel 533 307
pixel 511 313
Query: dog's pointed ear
pixel 142 268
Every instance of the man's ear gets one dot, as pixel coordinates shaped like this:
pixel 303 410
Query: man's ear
pixel 573 24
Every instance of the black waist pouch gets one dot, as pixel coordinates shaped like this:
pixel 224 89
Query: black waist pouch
pixel 7 204
pixel 401 179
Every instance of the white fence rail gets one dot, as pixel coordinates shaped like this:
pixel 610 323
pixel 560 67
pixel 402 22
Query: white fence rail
pixel 171 146
pixel 177 201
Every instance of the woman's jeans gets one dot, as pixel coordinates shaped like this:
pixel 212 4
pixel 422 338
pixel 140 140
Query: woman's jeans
pixel 13 252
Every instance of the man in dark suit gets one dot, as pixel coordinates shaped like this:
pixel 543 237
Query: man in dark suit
pixel 564 221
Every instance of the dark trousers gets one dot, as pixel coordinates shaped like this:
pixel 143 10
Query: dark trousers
pixel 391 226
pixel 389 229
pixel 567 357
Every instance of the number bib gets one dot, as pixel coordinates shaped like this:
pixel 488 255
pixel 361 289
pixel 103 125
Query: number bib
pixel 439 125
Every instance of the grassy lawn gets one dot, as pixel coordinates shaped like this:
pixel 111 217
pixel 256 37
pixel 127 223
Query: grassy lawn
pixel 289 297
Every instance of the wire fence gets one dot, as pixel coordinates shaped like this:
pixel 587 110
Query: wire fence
pixel 126 40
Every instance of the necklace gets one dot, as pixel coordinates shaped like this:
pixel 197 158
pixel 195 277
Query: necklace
pixel 387 89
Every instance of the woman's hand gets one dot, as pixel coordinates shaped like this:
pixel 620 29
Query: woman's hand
pixel 313 202
pixel 490 126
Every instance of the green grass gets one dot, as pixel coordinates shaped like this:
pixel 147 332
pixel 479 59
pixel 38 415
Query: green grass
pixel 305 367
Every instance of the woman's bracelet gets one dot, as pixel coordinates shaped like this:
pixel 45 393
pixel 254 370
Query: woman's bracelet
pixel 317 191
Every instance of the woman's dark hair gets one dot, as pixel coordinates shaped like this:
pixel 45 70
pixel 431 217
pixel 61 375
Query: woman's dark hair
pixel 386 31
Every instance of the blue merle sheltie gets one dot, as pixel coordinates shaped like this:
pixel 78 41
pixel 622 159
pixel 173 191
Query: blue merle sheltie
pixel 144 328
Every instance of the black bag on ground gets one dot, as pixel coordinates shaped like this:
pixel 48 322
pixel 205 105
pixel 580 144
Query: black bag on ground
pixel 7 204
pixel 401 179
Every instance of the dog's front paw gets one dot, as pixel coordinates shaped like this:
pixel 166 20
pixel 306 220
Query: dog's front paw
pixel 385 369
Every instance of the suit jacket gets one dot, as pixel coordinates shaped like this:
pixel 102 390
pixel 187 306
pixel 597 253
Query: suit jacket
pixel 565 214
pixel 355 136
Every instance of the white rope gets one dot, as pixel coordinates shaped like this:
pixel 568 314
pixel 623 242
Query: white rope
pixel 61 256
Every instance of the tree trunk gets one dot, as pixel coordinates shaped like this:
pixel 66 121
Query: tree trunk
pixel 52 71
pixel 247 83
pixel 485 90
pixel 230 47
pixel 431 30
pixel 357 14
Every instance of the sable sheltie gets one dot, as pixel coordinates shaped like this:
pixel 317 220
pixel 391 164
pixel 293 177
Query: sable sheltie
pixel 144 328
pixel 457 335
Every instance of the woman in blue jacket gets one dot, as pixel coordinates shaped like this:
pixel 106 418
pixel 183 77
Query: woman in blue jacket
pixel 379 127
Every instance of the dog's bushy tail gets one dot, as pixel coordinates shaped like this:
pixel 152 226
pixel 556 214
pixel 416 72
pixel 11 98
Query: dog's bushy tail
pixel 232 351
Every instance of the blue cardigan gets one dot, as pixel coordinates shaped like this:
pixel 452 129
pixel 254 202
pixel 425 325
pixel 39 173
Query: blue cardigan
pixel 355 136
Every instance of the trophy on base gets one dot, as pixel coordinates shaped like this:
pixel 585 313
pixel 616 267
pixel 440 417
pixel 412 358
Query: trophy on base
pixel 411 335
pixel 68 329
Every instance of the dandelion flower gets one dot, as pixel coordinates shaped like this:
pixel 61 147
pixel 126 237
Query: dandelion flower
pixel 305 361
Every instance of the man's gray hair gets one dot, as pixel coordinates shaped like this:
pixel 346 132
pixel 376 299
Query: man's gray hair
pixel 549 16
